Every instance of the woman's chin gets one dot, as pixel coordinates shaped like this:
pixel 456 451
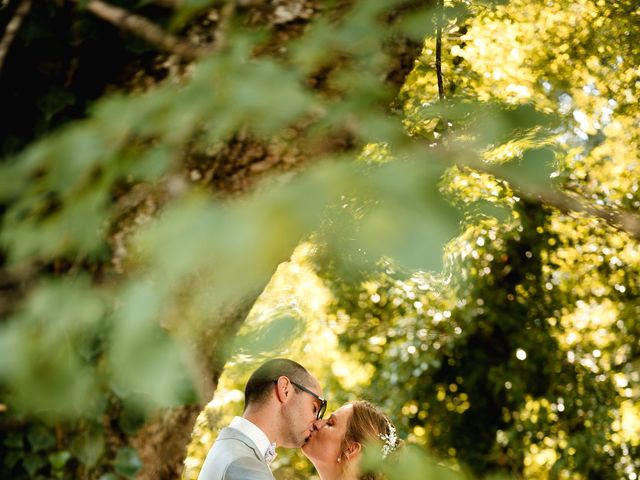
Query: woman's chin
pixel 307 448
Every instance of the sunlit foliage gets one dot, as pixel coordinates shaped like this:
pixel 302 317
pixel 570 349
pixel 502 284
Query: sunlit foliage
pixel 518 357
pixel 526 359
pixel 297 297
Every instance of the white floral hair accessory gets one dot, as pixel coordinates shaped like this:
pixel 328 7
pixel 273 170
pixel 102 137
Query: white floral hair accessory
pixel 390 440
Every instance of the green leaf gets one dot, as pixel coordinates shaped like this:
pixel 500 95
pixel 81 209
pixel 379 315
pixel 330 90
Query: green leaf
pixel 11 458
pixel 40 438
pixel 131 418
pixel 59 459
pixel 487 123
pixel 410 463
pixel 260 85
pixel 33 462
pixel 40 349
pixel 13 178
pixel 411 222
pixel 74 154
pixel 54 101
pixel 76 228
pixel 269 336
pixel 152 164
pixel 13 440
pixel 76 304
pixel 88 446
pixel 496 123
pixel 419 24
pixel 108 476
pixel 146 364
pixel 127 462
pixel 535 168
pixel 488 209
pixel 45 377
pixel 186 10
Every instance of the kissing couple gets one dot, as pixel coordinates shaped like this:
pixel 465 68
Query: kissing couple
pixel 284 407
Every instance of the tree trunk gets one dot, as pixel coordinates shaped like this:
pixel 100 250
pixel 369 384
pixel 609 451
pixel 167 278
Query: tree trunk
pixel 235 169
pixel 162 442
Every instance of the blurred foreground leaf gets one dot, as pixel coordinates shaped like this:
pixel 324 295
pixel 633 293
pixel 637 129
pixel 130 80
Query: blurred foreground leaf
pixel 127 462
pixel 410 462
pixel 268 338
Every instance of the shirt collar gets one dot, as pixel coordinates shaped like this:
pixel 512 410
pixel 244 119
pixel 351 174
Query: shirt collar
pixel 253 432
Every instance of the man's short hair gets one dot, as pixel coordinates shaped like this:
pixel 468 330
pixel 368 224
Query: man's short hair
pixel 263 379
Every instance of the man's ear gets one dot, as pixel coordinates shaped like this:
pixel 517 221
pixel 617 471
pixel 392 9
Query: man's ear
pixel 283 389
pixel 353 450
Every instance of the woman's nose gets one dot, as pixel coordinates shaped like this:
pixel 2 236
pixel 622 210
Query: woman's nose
pixel 318 424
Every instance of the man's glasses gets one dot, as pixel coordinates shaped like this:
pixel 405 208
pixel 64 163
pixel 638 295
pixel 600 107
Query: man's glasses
pixel 323 402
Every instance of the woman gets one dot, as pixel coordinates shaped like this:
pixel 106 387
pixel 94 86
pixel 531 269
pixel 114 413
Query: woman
pixel 335 447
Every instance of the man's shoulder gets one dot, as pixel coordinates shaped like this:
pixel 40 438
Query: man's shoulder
pixel 247 467
pixel 232 439
pixel 234 456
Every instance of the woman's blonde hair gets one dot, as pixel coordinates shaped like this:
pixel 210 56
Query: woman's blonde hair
pixel 367 425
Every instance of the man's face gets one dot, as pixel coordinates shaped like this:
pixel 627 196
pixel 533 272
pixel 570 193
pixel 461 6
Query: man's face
pixel 300 412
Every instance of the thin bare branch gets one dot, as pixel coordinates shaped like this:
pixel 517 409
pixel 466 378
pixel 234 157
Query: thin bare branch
pixel 440 21
pixel 145 29
pixel 168 3
pixel 12 29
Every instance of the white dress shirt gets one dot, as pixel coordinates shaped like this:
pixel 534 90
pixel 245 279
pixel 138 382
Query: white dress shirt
pixel 265 447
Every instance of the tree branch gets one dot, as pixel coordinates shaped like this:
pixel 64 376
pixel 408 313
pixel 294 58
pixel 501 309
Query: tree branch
pixel 12 29
pixel 619 219
pixel 168 3
pixel 440 21
pixel 145 29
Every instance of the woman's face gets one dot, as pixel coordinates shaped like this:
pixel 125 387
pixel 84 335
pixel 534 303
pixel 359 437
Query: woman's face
pixel 325 442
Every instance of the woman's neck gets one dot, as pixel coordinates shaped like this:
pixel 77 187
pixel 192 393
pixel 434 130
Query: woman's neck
pixel 328 472
pixel 335 472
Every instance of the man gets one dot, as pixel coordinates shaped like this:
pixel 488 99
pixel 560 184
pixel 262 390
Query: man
pixel 282 401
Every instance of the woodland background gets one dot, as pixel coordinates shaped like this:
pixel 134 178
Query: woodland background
pixel 430 204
